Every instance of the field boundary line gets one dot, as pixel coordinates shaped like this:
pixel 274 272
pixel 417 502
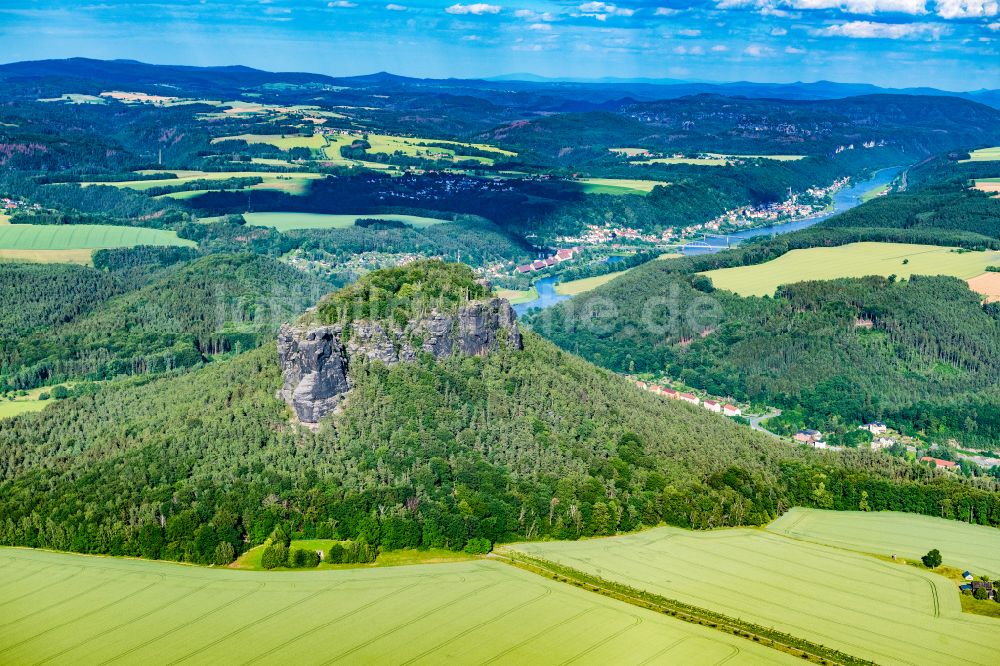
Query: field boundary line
pixel 772 638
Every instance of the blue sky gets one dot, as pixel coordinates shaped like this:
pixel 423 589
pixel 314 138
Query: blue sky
pixel 951 44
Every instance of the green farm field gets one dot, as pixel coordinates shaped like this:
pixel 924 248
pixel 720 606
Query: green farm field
pixel 82 237
pixel 618 185
pixel 860 605
pixel 716 159
pixel 289 221
pixel 985 155
pixel 75 609
pixel 886 533
pixel 852 260
pixel 291 182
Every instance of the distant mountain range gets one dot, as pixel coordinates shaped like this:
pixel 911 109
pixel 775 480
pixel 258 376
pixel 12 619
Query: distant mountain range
pixel 577 92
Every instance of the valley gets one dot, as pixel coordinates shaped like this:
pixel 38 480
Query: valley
pixel 385 369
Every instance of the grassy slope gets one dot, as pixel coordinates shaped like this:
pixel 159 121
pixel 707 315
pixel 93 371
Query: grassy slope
pixel 77 609
pixel 853 260
pixel 250 560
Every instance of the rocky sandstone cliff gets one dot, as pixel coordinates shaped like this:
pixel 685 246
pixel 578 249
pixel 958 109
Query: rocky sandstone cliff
pixel 316 360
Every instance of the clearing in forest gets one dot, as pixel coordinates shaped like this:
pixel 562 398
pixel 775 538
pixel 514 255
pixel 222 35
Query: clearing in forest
pixel 618 185
pixel 987 284
pixel 984 155
pixel 71 609
pixel 851 261
pixel 862 606
pixel 288 221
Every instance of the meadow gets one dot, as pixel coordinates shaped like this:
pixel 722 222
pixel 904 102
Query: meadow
pixel 972 547
pixel 516 297
pixel 288 221
pixel 852 260
pixel 72 609
pixel 618 185
pixel 291 182
pixel 37 237
pixel 984 155
pixel 860 605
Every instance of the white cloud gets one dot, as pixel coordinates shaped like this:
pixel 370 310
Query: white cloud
pixel 720 48
pixel 778 32
pixel 848 6
pixel 873 30
pixel 472 38
pixel 532 15
pixel 540 27
pixel 687 32
pixel 950 9
pixel 341 4
pixel 757 51
pixel 396 8
pixel 666 11
pixel 995 26
pixel 602 10
pixel 478 9
pixel 794 50
pixel 693 50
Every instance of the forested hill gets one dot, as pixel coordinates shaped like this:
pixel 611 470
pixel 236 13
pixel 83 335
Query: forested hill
pixel 97 325
pixel 520 444
pixel 896 125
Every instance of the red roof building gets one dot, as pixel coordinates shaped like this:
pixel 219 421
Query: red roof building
pixel 947 464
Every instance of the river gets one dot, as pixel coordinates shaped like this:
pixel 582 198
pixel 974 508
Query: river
pixel 843 200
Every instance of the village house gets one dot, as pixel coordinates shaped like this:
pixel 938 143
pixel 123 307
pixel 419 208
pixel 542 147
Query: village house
pixel 984 584
pixel 946 464
pixel 818 444
pixel 967 575
pixel 808 436
pixel 689 397
pixel 731 410
pixel 657 389
pixel 882 443
pixel 670 393
pixel 875 428
pixel 712 406
pixel 641 384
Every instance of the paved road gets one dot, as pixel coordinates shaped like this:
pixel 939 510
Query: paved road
pixel 755 421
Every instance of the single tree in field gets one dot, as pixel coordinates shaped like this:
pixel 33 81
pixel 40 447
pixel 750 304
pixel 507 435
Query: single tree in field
pixel 932 559
pixel 981 594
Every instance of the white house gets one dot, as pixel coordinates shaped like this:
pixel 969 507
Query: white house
pixel 713 406
pixel 730 410
pixel 875 428
pixel 882 443
pixel 689 397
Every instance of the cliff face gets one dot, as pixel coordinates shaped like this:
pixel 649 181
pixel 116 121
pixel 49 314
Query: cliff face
pixel 315 360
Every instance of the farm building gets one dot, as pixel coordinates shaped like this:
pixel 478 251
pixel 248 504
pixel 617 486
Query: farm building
pixel 808 436
pixel 712 406
pixel 967 575
pixel 670 393
pixel 732 410
pixel 985 585
pixel 946 464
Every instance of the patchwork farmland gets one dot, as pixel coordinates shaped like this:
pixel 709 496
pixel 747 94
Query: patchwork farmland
pixel 852 260
pixel 870 609
pixel 71 609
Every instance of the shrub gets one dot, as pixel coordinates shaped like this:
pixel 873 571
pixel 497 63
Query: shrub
pixel 478 546
pixel 274 556
pixel 336 554
pixel 43 396
pixel 60 392
pixel 297 558
pixel 224 553
pixel 981 594
pixel 311 558
pixel 932 559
